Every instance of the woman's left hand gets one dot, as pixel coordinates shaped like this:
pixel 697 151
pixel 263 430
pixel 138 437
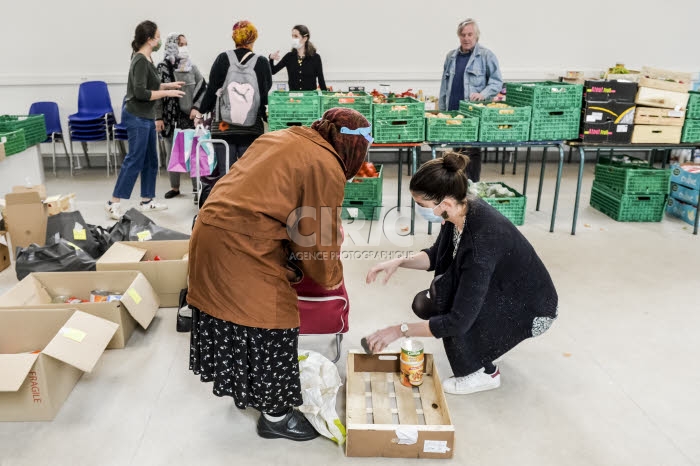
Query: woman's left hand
pixel 160 126
pixel 171 86
pixel 383 338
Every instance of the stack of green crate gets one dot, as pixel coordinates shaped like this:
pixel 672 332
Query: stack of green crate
pixel 691 128
pixel 360 101
pixel 296 108
pixel 398 120
pixel 628 189
pixel 556 108
pixel 512 208
pixel 499 122
pixel 34 127
pixel 363 197
pixel 14 142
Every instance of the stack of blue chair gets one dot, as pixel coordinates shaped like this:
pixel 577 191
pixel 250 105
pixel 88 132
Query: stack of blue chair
pixel 54 131
pixel 95 118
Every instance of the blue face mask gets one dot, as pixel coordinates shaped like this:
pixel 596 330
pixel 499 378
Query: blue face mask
pixel 429 214
pixel 366 132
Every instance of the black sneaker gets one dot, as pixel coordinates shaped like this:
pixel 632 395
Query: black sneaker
pixel 171 194
pixel 294 426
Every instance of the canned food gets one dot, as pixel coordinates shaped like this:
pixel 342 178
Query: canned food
pixel 100 296
pixel 412 363
pixel 114 297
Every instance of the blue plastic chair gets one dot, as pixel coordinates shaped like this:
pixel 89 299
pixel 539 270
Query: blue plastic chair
pixel 94 119
pixel 54 131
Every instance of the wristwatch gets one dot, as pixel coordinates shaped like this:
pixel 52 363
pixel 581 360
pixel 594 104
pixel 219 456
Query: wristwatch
pixel 404 329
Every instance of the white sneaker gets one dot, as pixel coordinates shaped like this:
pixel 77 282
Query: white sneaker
pixel 114 210
pixel 475 382
pixel 152 206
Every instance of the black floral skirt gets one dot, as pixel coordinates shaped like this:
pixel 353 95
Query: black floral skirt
pixel 258 367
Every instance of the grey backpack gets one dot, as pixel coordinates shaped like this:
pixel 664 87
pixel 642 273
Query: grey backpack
pixel 239 98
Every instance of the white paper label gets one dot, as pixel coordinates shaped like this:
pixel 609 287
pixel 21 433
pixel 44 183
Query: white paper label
pixel 676 114
pixel 590 119
pixel 621 128
pixel 435 446
pixel 353 212
pixel 407 435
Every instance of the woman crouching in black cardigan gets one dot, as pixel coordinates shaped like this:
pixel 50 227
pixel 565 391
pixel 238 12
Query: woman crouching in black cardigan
pixel 491 291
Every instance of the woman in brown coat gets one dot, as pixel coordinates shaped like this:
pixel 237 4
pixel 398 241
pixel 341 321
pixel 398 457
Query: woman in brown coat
pixel 279 201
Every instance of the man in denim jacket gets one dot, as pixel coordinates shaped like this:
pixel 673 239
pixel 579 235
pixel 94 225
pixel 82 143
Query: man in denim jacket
pixel 471 72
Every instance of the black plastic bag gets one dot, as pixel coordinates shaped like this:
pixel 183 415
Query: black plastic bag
pixel 71 227
pixel 57 257
pixel 134 226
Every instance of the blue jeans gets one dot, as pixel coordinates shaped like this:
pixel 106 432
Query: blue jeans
pixel 142 158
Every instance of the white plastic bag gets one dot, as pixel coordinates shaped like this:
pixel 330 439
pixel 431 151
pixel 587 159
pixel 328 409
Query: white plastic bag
pixel 320 382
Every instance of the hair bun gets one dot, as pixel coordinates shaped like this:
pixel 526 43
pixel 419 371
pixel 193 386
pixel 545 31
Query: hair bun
pixel 454 162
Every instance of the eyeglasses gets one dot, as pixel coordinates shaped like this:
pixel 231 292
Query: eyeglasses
pixel 366 132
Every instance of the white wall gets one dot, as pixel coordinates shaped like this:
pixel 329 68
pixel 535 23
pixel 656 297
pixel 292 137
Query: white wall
pixel 50 47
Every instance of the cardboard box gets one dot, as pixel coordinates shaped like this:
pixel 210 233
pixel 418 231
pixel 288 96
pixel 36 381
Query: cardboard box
pixel 603 91
pixel 611 110
pixel 685 212
pixel 43 354
pixel 658 116
pixel 378 437
pixel 4 251
pixel 167 276
pixel 26 210
pixel 656 134
pixel 657 78
pixel 687 195
pixel 138 304
pixel 650 97
pixel 608 132
pixel 687 175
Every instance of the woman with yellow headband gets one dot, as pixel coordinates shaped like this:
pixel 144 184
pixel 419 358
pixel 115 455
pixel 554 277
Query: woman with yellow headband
pixel 238 137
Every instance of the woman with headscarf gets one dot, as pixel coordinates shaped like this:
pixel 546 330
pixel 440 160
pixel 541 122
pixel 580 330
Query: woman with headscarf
pixel 179 113
pixel 278 202
pixel 238 137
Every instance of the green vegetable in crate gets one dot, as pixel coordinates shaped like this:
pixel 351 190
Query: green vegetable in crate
pixel 493 190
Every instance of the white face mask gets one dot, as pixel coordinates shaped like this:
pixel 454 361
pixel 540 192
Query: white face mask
pixel 429 214
pixel 296 42
pixel 183 52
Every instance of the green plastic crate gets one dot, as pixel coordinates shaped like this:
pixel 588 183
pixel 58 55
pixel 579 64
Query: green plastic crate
pixel 451 129
pixel 512 208
pixel 500 115
pixel 693 111
pixel 294 105
pixel 360 101
pixel 400 108
pixel 360 210
pixel 691 131
pixel 627 207
pixel 34 127
pixel 281 123
pixel 633 179
pixel 546 94
pixel 555 125
pixel 14 142
pixel 365 189
pixel 499 132
pixel 397 131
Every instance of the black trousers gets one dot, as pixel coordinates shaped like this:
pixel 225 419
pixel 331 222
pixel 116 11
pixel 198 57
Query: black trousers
pixel 474 166
pixel 492 335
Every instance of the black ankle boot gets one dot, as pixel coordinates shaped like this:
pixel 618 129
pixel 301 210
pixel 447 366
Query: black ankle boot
pixel 294 426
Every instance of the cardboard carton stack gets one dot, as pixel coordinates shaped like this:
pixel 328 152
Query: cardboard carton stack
pixel 661 100
pixel 685 192
pixel 608 112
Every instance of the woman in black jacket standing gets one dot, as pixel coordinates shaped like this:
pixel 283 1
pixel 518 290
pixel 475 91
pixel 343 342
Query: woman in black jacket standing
pixel 303 64
pixel 491 291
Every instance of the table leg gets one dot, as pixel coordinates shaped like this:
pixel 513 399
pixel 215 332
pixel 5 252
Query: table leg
pixel 527 170
pixel 515 160
pixel 666 155
pixel 697 218
pixel 503 162
pixel 582 153
pixel 542 167
pixel 413 203
pixel 430 224
pixel 571 151
pixel 556 189
pixel 400 172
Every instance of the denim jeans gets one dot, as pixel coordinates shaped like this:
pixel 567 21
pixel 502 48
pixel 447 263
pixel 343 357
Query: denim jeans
pixel 141 159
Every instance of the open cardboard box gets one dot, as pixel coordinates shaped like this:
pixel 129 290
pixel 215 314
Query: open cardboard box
pixel 26 211
pixel 138 304
pixel 43 354
pixel 373 380
pixel 167 276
